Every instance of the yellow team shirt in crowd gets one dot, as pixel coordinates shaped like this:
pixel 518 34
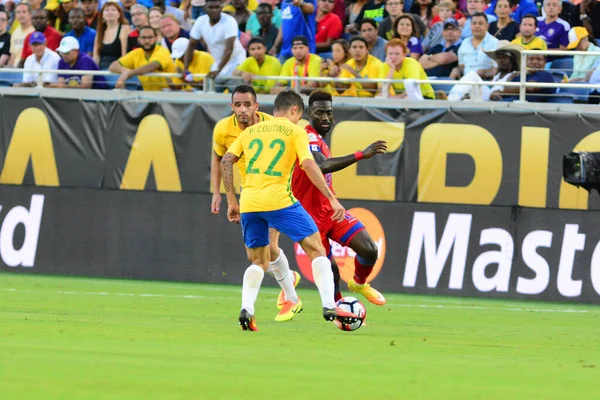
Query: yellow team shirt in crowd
pixel 251 6
pixel 137 58
pixel 271 149
pixel 535 43
pixel 411 69
pixel 311 67
pixel 369 70
pixel 270 67
pixel 226 131
pixel 200 64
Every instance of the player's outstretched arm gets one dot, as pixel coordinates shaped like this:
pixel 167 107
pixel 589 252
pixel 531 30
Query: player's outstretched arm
pixel 335 164
pixel 215 176
pixel 233 208
pixel 316 176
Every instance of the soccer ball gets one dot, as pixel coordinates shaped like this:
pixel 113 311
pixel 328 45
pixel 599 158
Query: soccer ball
pixel 353 305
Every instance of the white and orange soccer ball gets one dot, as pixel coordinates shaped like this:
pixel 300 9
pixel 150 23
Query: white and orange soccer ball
pixel 353 305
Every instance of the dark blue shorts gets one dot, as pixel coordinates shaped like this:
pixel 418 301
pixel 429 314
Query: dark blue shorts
pixel 293 221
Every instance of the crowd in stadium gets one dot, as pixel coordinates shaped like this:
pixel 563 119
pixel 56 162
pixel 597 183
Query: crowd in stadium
pixel 240 40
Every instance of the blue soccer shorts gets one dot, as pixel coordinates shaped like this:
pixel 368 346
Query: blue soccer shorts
pixel 292 221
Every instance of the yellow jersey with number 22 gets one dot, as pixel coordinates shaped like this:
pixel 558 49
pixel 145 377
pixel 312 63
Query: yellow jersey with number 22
pixel 271 149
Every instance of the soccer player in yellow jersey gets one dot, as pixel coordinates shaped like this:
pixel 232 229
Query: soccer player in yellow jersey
pixel 227 130
pixel 272 148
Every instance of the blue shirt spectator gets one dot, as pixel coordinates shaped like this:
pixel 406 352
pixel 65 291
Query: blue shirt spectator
pixel 85 38
pixel 466 29
pixel 295 22
pixel 555 33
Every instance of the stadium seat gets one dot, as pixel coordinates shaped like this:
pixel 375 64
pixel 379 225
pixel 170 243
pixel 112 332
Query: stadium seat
pixel 580 95
pixel 564 98
pixel 564 65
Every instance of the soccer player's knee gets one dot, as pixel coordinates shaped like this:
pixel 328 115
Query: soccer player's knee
pixel 370 252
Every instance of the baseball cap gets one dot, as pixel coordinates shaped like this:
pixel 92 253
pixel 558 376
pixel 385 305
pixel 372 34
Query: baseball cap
pixel 179 47
pixel 451 22
pixel 67 44
pixel 300 38
pixel 576 34
pixel 37 37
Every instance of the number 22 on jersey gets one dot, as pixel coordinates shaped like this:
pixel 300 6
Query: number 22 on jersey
pixel 276 150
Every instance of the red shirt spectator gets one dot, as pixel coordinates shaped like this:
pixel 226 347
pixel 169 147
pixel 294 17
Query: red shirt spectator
pixel 329 26
pixel 53 38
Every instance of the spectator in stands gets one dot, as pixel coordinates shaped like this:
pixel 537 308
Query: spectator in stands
pixel 360 65
pixel 220 33
pixel 471 55
pixel 154 16
pixel 441 59
pixel 241 14
pixel 340 53
pixel 505 28
pixel 60 14
pixel 4 39
pixel 267 30
pixel 36 4
pixel 535 73
pixel 200 64
pixel 85 35
pixel 352 12
pixel 368 30
pixel 74 59
pixel 589 15
pixel 253 25
pixel 374 9
pixel 258 64
pixel 583 66
pixel 167 9
pixel 329 26
pixel 17 39
pixel 41 58
pixel 111 35
pixel 39 19
pixel 474 7
pixel 398 66
pixel 553 29
pixel 394 10
pixel 126 5
pixel 139 17
pixel 435 35
pixel 303 64
pixel 90 10
pixel 148 58
pixel 458 15
pixel 424 9
pixel 527 29
pixel 297 19
pixel 508 57
pixel 406 30
pixel 519 8
pixel 171 30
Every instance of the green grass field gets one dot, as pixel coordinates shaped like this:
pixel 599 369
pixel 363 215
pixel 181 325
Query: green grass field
pixel 72 338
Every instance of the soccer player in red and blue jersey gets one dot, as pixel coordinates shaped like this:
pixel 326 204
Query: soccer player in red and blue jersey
pixel 350 232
